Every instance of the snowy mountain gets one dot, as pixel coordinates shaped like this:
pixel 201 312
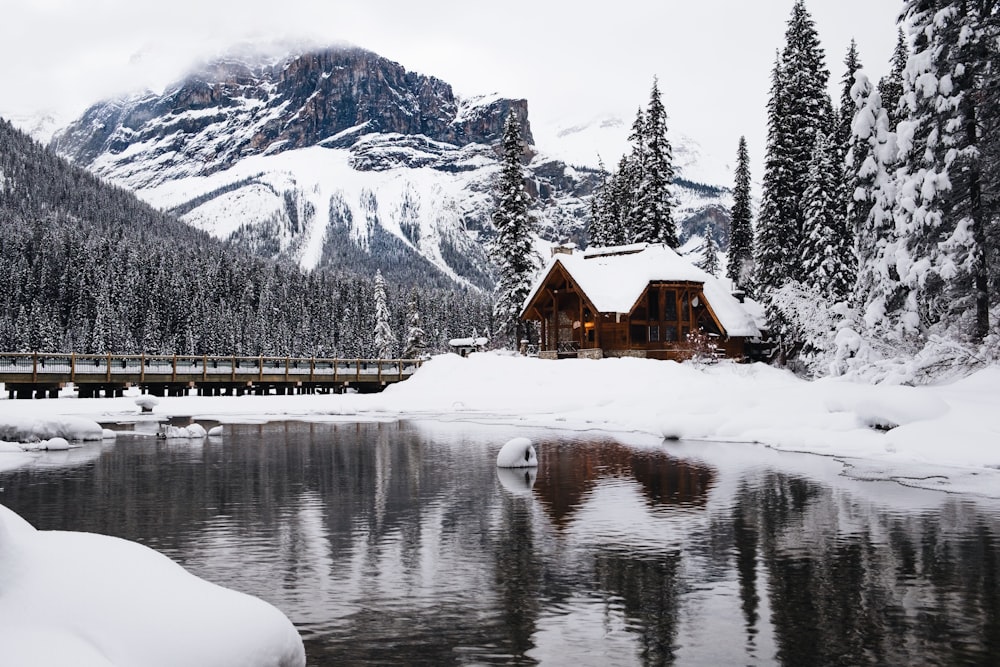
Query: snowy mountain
pixel 334 157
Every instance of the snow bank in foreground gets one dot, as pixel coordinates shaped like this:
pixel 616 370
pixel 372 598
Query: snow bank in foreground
pixel 83 599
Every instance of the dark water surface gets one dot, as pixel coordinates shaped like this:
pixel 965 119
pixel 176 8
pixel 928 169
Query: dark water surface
pixel 400 544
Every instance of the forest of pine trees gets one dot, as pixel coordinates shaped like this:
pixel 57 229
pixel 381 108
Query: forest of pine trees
pixel 878 228
pixel 89 268
pixel 635 203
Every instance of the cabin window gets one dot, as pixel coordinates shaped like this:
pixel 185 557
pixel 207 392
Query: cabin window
pixel 654 304
pixel 654 334
pixel 685 311
pixel 638 333
pixel 670 334
pixel 670 303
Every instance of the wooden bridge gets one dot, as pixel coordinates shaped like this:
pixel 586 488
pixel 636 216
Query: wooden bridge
pixel 41 375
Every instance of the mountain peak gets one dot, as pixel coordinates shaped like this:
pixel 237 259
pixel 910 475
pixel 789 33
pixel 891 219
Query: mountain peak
pixel 252 103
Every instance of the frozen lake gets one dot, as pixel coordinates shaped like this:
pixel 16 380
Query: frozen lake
pixel 401 543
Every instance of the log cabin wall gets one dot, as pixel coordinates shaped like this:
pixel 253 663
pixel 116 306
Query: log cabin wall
pixel 657 326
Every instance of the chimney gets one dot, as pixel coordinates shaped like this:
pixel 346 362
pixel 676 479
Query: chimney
pixel 739 294
pixel 563 249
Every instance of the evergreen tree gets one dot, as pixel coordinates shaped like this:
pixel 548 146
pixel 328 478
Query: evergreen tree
pixel 602 214
pixel 511 248
pixel 709 253
pixel 941 209
pixel 385 341
pixel 416 338
pixel 870 164
pixel 799 107
pixel 775 226
pixel 890 87
pixel 654 201
pixel 852 63
pixel 826 267
pixel 739 269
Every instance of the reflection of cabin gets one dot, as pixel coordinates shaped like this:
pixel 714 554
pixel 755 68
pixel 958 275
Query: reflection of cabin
pixel 639 300
pixel 466 346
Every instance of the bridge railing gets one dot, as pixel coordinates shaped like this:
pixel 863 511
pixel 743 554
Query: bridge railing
pixel 94 367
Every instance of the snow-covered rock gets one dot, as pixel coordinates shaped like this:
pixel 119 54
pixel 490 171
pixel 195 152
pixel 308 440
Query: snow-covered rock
pixel 215 431
pixel 71 598
pixel 517 453
pixel 108 434
pixel 147 403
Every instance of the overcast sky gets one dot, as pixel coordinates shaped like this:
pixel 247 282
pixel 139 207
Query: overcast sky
pixel 571 60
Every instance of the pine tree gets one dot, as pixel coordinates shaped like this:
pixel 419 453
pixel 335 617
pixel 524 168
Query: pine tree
pixel 890 87
pixel 511 248
pixel 798 108
pixel 845 116
pixel 416 338
pixel 654 201
pixel 385 341
pixel 826 267
pixel 940 208
pixel 709 253
pixel 775 227
pixel 602 213
pixel 870 162
pixel 739 269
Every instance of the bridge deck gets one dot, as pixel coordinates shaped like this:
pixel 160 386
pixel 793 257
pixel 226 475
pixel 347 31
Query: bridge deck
pixel 42 374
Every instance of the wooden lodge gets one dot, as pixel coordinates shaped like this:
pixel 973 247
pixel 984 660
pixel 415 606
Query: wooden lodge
pixel 638 301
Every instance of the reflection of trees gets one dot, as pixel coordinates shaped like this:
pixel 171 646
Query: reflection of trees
pixel 849 585
pixel 648 587
pixel 568 473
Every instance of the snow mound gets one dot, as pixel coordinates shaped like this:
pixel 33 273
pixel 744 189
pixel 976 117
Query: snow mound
pixel 50 445
pixel 108 434
pixel 215 430
pixel 147 403
pixel 517 453
pixel 886 407
pixel 84 599
pixel 32 430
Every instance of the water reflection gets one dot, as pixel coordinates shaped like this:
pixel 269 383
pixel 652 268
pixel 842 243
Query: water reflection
pixel 403 544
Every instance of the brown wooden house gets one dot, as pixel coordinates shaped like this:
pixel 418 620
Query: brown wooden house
pixel 639 300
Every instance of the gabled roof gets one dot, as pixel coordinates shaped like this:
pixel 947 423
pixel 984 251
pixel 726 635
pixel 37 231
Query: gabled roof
pixel 614 279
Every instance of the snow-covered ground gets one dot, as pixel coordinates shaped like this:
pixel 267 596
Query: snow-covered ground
pixel 945 436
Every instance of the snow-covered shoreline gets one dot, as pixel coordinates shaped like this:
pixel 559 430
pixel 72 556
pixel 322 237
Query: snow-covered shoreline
pixel 891 428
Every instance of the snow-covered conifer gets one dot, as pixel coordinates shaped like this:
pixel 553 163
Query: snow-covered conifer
pixel 416 338
pixel 890 87
pixel 827 265
pixel 654 201
pixel 739 269
pixel 709 253
pixel 798 108
pixel 511 248
pixel 385 340
pixel 941 211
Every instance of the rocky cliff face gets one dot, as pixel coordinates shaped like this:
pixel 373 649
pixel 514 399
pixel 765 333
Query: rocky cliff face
pixel 335 157
pixel 231 110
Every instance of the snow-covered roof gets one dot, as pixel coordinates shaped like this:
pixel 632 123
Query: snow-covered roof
pixel 614 279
